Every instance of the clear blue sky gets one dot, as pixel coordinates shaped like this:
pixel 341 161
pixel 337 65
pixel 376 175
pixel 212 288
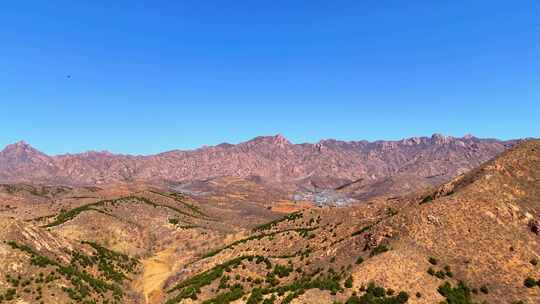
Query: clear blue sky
pixel 150 76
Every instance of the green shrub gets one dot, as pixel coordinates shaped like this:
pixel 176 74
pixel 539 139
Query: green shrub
pixel 223 282
pixel 236 293
pixel 377 291
pixel 10 294
pixel 529 282
pixel 379 249
pixel 349 282
pixel 353 300
pixel 484 289
pixel 460 294
pixel 378 295
pixel 402 297
pixel 270 300
pixel 290 217
pixel 364 229
pixel 271 279
pixel 440 274
pixel 190 286
pixel 256 296
pixel 282 271
pixel 427 199
pixel 179 197
pixel 448 271
pixel 301 231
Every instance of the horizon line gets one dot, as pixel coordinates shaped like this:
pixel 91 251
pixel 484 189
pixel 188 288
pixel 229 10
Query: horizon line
pixel 278 136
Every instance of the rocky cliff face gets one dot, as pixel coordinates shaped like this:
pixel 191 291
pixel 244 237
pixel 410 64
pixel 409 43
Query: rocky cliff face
pixel 273 158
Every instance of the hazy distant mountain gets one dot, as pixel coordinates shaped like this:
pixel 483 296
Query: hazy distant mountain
pixel 328 163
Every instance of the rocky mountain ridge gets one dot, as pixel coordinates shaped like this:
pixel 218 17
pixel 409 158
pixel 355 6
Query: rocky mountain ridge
pixel 274 158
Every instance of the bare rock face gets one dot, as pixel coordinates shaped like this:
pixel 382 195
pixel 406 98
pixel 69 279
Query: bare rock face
pixel 272 157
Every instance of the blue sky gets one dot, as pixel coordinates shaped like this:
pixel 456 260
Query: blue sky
pixel 150 76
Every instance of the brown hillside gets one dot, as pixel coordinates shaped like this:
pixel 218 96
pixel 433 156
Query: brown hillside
pixel 482 224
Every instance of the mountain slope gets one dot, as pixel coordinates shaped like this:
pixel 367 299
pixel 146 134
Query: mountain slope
pixel 480 229
pixel 482 224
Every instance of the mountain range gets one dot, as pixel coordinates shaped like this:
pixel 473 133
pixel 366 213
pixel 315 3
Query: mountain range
pixel 326 164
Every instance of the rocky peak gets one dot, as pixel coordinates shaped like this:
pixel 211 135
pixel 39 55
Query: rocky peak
pixel 411 141
pixel 20 145
pixel 276 140
pixel 440 139
pixel 22 161
pixel 21 151
pixel 280 140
